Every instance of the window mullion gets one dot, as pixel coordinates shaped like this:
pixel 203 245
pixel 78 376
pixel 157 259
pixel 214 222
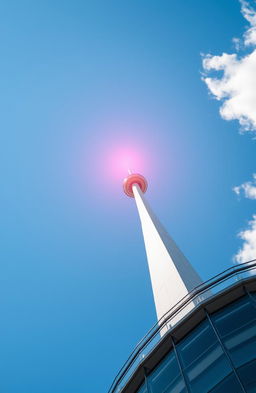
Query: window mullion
pixel 225 350
pixel 182 371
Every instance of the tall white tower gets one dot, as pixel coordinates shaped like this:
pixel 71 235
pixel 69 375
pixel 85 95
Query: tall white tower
pixel 172 276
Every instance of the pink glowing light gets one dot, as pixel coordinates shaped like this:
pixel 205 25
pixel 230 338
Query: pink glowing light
pixel 125 160
pixel 108 160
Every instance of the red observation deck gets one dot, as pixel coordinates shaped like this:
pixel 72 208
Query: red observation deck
pixel 134 178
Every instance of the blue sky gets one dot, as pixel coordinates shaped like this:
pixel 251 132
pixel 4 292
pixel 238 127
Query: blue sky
pixel 79 79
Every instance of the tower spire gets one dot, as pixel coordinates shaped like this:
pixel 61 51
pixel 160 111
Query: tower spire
pixel 172 276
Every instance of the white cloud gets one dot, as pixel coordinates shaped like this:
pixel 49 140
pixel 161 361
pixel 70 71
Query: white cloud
pixel 236 87
pixel 248 188
pixel 248 250
pixel 250 15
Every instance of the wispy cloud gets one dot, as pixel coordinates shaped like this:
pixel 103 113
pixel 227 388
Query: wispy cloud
pixel 236 87
pixel 248 250
pixel 248 189
pixel 250 15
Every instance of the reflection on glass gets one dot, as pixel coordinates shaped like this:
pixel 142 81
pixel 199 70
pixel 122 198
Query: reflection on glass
pixel 236 325
pixel 166 377
pixel 229 384
pixel 203 359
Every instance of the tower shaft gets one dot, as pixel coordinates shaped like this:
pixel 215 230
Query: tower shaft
pixel 172 276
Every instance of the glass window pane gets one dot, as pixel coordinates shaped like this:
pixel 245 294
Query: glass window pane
pixel 166 377
pixel 195 343
pixel 203 359
pixel 247 373
pixel 229 384
pixel 236 325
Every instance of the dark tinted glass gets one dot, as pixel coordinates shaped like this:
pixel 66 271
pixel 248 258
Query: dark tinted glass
pixel 203 359
pixel 166 377
pixel 199 340
pixel 247 374
pixel 229 385
pixel 236 325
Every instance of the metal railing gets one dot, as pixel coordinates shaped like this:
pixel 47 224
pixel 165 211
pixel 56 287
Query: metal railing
pixel 200 294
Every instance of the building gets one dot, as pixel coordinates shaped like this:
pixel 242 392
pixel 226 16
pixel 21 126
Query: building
pixel 205 337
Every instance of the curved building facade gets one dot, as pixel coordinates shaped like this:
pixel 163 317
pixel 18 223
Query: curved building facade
pixel 212 349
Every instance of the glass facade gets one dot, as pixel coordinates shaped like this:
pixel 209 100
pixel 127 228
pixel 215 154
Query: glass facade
pixel 237 330
pixel 218 356
pixel 167 377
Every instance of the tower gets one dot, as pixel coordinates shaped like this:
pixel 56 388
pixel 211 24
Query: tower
pixel 205 337
pixel 172 276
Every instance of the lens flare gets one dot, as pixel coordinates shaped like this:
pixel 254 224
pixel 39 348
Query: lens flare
pixel 125 160
pixel 116 155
